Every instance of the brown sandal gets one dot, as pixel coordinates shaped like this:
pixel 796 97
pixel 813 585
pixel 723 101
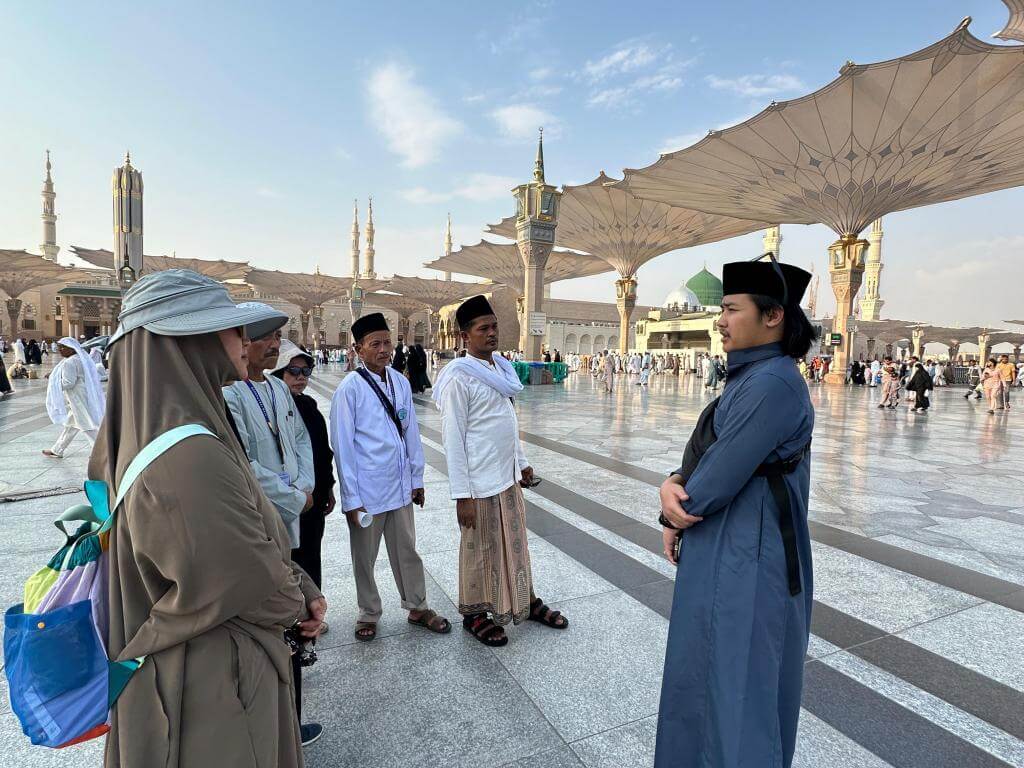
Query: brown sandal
pixel 431 620
pixel 365 631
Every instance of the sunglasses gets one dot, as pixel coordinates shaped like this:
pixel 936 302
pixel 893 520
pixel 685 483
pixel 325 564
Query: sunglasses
pixel 300 370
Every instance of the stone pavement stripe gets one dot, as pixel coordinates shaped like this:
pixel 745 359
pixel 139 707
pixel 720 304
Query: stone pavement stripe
pixel 987 699
pixel 883 727
pixel 956 577
pixel 7 435
pixel 885 736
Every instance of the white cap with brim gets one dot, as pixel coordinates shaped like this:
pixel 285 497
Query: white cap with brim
pixel 289 351
pixel 180 302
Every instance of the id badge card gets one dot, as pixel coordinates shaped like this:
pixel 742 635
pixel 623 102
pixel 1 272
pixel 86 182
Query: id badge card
pixel 402 414
pixel 285 478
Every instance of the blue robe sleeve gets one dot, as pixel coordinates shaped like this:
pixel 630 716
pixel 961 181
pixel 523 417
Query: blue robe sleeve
pixel 761 416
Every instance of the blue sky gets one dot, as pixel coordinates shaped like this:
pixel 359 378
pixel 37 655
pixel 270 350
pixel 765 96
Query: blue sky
pixel 255 125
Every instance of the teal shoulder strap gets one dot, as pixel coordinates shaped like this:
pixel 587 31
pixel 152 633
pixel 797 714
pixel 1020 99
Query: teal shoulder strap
pixel 147 456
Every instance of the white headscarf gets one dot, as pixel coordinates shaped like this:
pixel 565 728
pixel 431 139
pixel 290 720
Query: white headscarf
pixel 501 378
pixel 95 400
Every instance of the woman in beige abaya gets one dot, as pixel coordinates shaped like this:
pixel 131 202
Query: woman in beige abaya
pixel 201 580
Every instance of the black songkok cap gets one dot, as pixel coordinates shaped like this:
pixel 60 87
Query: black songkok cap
pixel 368 324
pixel 471 309
pixel 782 282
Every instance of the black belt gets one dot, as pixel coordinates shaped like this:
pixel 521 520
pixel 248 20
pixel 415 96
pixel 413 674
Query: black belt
pixel 774 471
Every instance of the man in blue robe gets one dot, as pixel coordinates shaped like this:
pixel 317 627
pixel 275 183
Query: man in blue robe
pixel 742 607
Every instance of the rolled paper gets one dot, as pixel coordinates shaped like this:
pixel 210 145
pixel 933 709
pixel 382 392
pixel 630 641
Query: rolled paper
pixel 365 519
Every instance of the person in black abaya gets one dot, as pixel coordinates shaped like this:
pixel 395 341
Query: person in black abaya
pixel 920 384
pixel 399 363
pixel 418 369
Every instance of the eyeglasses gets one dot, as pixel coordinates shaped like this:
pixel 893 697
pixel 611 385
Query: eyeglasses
pixel 300 370
pixel 778 271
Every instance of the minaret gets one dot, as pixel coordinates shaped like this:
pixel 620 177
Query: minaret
pixel 773 240
pixel 871 303
pixel 127 191
pixel 355 239
pixel 448 245
pixel 812 296
pixel 49 245
pixel 369 274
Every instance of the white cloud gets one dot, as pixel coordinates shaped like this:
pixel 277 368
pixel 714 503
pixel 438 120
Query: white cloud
pixel 268 192
pixel 626 58
pixel 609 97
pixel 413 124
pixel 660 81
pixel 342 154
pixel 521 121
pixel 757 85
pixel 541 73
pixel 476 186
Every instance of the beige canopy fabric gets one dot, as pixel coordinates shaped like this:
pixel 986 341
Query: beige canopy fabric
pixel 605 219
pixel 306 290
pixel 218 269
pixel 940 124
pixel 434 293
pixel 405 306
pixel 502 263
pixel 22 271
pixel 1014 29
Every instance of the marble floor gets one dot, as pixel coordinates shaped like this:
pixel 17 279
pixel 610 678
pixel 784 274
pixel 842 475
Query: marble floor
pixel 918 631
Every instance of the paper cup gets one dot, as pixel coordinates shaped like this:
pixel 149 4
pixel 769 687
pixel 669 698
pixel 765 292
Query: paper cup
pixel 365 519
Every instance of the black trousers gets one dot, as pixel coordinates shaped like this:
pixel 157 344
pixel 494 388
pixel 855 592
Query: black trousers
pixel 307 557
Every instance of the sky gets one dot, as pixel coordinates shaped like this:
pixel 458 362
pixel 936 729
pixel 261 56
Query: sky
pixel 255 125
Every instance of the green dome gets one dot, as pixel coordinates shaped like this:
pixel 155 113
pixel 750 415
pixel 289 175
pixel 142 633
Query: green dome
pixel 707 287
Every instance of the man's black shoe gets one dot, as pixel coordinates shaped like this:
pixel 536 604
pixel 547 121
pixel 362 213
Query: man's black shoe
pixel 310 733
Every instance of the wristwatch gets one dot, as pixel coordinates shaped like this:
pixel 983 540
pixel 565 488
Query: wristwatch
pixel 665 523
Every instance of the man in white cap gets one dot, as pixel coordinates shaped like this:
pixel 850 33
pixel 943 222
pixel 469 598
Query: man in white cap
pixel 74 397
pixel 279 449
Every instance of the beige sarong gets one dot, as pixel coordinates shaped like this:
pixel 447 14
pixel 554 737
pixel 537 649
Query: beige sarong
pixel 494 560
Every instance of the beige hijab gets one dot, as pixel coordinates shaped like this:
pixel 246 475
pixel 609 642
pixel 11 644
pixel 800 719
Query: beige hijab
pixel 196 543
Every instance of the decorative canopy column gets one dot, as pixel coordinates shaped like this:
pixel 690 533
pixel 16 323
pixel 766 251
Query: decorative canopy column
pixel 536 219
pixel 983 340
pixel 939 124
pixel 917 337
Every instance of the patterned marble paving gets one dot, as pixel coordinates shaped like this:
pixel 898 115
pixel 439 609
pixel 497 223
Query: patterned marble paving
pixel 948 486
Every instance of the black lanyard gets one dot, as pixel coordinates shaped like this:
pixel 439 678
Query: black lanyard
pixel 389 405
pixel 266 416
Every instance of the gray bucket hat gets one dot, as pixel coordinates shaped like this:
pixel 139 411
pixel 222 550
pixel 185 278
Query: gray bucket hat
pixel 180 302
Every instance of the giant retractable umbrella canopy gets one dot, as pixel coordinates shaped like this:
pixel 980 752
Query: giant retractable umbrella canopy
pixel 606 220
pixel 21 271
pixel 404 306
pixel 434 293
pixel 218 269
pixel 308 291
pixel 940 124
pixel 1014 29
pixel 502 263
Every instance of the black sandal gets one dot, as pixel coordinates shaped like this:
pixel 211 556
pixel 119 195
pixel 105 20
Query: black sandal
pixel 546 616
pixel 486 631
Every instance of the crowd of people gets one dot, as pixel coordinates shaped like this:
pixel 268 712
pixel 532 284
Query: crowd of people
pixel 217 581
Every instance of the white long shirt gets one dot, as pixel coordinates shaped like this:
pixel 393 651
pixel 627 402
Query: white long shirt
pixel 267 462
pixel 76 394
pixel 377 468
pixel 481 439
